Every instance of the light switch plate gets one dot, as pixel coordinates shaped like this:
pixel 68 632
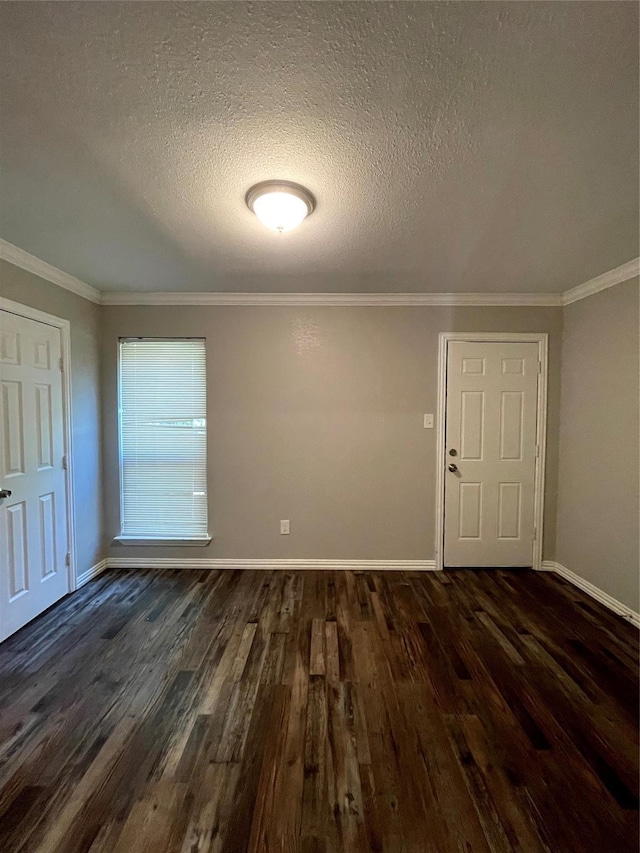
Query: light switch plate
pixel 428 422
pixel 285 527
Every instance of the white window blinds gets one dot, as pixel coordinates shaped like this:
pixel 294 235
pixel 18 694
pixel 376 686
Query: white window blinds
pixel 163 439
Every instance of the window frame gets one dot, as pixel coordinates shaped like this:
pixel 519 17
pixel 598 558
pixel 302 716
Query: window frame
pixel 126 539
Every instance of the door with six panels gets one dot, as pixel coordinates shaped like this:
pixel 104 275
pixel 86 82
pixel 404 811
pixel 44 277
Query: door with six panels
pixel 33 517
pixel 490 446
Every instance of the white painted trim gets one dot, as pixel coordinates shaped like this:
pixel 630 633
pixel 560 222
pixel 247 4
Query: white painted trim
pixel 192 542
pixel 65 336
pixel 441 407
pixel 337 565
pixel 32 313
pixel 290 565
pixel 594 591
pixel 31 263
pixel 19 258
pixel 542 339
pixel 602 282
pixel 336 299
pixel 541 460
pixel 91 573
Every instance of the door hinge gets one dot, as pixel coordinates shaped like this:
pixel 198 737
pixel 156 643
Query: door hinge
pixel 61 363
pixel 539 367
pixel 67 559
pixel 64 462
pixel 535 533
pixel 537 450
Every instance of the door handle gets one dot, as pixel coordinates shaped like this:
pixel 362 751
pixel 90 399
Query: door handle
pixel 5 493
pixel 453 468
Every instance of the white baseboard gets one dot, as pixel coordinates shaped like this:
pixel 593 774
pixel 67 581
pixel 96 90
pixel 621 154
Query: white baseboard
pixel 290 565
pixel 594 591
pixel 337 565
pixel 91 573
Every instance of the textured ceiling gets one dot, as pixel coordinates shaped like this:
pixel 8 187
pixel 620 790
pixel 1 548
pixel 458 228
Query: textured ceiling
pixel 451 146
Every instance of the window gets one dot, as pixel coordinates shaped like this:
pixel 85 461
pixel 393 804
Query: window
pixel 163 439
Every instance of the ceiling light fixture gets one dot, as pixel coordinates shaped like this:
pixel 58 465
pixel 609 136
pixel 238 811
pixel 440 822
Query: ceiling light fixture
pixel 280 205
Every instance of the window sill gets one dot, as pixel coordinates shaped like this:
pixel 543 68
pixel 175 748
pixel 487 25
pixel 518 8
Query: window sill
pixel 153 540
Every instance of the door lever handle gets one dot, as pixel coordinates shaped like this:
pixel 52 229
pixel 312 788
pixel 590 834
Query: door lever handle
pixel 5 493
pixel 453 468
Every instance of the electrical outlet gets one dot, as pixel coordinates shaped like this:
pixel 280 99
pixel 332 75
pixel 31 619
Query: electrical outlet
pixel 428 422
pixel 284 526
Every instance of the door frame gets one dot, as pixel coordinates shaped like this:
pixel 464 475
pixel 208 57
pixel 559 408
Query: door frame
pixel 67 430
pixel 542 340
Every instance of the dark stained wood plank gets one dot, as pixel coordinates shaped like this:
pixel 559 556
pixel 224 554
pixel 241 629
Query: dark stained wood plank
pixel 320 712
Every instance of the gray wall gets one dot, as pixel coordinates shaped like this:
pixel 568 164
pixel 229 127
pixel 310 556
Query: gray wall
pixel 598 501
pixel 29 289
pixel 315 415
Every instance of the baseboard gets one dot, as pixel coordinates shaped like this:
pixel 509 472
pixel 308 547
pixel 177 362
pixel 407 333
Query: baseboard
pixel 91 573
pixel 594 591
pixel 290 565
pixel 337 565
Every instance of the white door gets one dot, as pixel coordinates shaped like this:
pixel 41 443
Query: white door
pixel 33 518
pixel 490 446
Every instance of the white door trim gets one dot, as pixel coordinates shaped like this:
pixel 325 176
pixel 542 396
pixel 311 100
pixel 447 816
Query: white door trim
pixel 65 335
pixel 540 338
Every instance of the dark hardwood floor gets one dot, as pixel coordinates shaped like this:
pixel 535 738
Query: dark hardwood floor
pixel 315 712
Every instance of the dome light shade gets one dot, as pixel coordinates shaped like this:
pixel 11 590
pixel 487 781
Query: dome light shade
pixel 280 205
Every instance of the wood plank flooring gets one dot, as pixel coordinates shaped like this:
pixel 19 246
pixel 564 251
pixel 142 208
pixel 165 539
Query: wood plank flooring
pixel 320 712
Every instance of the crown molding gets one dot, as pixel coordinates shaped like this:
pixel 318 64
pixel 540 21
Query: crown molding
pixel 19 258
pixel 602 282
pixel 336 299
